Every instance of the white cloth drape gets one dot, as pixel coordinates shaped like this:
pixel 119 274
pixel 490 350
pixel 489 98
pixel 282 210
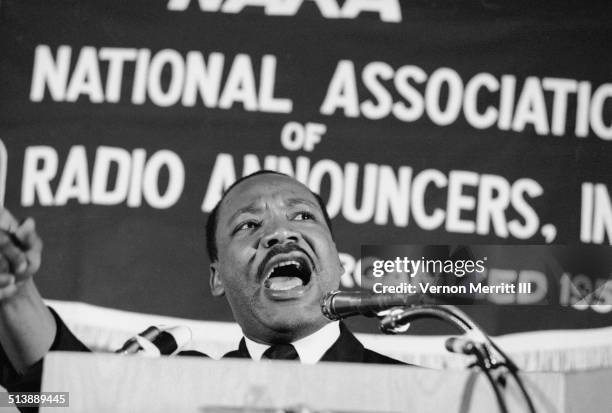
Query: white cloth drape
pixel 104 329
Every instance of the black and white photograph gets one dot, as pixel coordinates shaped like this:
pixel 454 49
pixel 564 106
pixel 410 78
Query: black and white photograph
pixel 305 206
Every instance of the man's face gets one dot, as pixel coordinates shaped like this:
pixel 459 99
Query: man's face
pixel 276 258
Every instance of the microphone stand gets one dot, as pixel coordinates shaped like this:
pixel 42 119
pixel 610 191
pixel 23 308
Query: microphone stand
pixel 397 320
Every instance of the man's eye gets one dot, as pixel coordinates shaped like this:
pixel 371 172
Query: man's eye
pixel 246 226
pixel 303 216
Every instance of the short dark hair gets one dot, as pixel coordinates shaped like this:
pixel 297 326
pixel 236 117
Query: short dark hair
pixel 213 218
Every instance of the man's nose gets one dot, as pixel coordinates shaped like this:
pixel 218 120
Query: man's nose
pixel 279 234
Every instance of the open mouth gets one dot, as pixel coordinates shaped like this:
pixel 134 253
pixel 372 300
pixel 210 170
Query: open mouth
pixel 288 274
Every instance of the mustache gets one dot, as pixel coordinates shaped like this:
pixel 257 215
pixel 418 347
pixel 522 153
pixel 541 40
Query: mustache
pixel 281 249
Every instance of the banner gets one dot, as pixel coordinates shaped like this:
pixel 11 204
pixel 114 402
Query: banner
pixel 466 123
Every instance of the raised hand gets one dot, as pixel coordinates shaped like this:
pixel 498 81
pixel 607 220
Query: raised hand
pixel 20 253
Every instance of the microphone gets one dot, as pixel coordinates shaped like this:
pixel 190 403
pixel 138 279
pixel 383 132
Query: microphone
pixel 336 305
pixel 157 341
pixel 171 340
pixel 133 346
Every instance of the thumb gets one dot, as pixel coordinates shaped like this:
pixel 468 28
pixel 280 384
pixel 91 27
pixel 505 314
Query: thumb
pixel 26 233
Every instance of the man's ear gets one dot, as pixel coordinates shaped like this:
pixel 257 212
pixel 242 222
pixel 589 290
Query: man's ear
pixel 216 285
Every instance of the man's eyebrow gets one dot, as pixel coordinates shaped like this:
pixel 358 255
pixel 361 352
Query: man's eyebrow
pixel 299 201
pixel 251 208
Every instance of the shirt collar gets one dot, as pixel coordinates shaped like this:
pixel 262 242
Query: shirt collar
pixel 310 348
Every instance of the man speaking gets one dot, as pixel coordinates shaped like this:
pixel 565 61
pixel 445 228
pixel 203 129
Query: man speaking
pixel 272 255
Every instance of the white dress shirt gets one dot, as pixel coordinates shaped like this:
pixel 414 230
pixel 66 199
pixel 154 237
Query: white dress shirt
pixel 310 348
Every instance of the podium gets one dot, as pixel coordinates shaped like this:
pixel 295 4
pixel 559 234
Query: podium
pixel 111 383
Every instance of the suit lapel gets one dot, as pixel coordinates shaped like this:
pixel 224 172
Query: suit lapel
pixel 241 353
pixel 346 348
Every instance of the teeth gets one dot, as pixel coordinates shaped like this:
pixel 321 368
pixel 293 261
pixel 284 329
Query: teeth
pixel 283 264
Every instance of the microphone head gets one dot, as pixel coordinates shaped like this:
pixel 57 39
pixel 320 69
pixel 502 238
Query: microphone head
pixel 150 333
pixel 182 335
pixel 336 305
pixel 171 340
pixel 327 307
